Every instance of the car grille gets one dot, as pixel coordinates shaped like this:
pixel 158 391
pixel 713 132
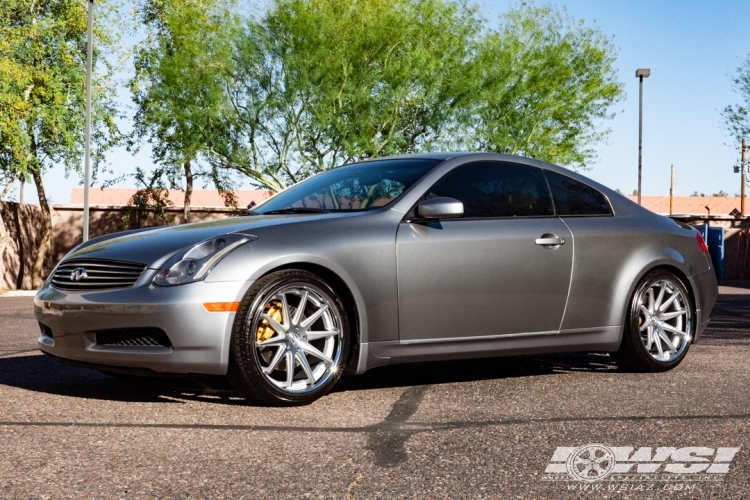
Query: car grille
pixel 96 274
pixel 133 337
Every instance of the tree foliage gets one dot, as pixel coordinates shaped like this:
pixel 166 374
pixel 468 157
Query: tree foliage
pixel 737 117
pixel 545 85
pixel 324 82
pixel 181 74
pixel 42 90
pixel 306 85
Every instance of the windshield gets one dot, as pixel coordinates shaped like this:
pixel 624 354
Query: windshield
pixel 356 187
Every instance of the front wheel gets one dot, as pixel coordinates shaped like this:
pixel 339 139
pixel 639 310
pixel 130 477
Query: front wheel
pixel 660 324
pixel 290 339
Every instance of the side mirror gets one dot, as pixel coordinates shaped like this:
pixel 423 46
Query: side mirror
pixel 440 208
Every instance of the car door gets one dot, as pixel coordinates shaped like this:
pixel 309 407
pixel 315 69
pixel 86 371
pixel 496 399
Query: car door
pixel 603 244
pixel 494 271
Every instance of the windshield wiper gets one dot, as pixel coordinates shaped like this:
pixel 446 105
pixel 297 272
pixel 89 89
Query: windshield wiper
pixel 249 212
pixel 297 210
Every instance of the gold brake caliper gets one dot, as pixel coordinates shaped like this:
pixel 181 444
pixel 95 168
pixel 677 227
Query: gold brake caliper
pixel 274 311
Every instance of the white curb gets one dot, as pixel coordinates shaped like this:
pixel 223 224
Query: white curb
pixel 19 293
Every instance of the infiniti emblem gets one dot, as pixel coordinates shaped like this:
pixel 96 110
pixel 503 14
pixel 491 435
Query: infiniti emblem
pixel 78 274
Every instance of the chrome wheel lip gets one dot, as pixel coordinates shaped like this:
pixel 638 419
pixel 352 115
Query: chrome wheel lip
pixel 293 338
pixel 664 320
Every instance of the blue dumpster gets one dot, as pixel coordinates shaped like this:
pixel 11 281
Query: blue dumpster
pixel 715 244
pixel 714 238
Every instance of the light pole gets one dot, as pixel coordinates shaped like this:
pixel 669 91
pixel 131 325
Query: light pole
pixel 640 74
pixel 87 139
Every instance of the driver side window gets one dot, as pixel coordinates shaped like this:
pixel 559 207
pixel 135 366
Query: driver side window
pixel 496 189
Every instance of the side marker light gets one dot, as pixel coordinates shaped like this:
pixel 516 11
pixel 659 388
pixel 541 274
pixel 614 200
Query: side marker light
pixel 221 306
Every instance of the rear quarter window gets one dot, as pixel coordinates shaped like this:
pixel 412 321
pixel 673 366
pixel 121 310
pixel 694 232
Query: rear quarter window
pixel 576 198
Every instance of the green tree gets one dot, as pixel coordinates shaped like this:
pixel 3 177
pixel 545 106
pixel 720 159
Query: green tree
pixel 42 85
pixel 310 84
pixel 324 82
pixel 546 83
pixel 179 88
pixel 737 117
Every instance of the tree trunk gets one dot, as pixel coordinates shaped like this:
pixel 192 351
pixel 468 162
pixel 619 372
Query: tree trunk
pixel 188 192
pixel 3 237
pixel 44 244
pixel 9 185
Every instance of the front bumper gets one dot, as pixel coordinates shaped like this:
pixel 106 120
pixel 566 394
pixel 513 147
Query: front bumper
pixel 199 339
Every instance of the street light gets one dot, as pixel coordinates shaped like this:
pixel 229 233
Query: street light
pixel 87 139
pixel 640 74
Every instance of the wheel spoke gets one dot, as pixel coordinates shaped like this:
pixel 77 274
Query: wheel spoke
pixel 672 329
pixel 601 470
pixel 273 341
pixel 273 323
pixel 658 344
pixel 671 299
pixel 285 316
pixel 275 361
pixel 289 370
pixel 646 317
pixel 306 367
pixel 311 349
pixel 320 335
pixel 300 308
pixel 649 337
pixel 667 341
pixel 314 316
pixel 673 314
pixel 660 297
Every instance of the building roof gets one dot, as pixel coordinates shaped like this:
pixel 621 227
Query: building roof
pixel 200 197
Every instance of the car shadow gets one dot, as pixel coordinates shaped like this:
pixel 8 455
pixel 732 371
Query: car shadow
pixel 730 319
pixel 46 374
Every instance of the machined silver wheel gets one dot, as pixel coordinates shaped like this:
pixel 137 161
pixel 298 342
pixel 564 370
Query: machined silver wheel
pixel 664 320
pixel 659 325
pixel 298 337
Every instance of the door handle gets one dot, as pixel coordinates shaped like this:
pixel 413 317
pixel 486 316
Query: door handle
pixel 550 240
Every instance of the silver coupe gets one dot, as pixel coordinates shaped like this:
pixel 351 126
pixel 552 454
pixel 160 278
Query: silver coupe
pixel 400 259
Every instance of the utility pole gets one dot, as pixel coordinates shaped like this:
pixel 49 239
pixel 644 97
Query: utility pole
pixel 87 138
pixel 743 166
pixel 671 192
pixel 640 74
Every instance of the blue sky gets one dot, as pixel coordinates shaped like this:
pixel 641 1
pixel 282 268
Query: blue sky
pixel 692 48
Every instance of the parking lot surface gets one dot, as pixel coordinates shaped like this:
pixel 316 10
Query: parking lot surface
pixel 468 429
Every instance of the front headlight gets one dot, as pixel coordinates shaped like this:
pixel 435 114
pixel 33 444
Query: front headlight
pixel 196 262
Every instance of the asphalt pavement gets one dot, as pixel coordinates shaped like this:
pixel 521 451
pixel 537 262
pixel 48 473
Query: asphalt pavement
pixel 467 429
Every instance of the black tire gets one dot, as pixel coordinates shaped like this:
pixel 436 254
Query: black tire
pixel 633 354
pixel 245 361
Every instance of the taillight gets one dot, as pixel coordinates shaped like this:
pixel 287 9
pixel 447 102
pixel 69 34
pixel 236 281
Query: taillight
pixel 701 242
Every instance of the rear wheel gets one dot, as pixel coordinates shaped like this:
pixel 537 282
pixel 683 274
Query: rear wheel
pixel 660 324
pixel 290 339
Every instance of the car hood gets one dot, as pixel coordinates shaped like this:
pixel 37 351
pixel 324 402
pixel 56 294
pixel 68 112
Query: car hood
pixel 154 247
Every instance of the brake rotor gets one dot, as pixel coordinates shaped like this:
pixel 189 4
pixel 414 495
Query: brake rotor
pixel 274 311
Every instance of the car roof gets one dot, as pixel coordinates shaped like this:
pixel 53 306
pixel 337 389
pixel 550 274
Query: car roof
pixel 422 156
